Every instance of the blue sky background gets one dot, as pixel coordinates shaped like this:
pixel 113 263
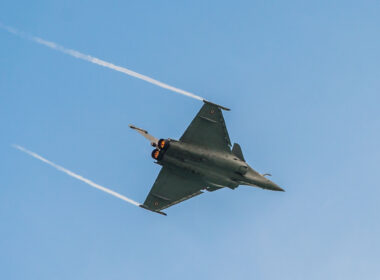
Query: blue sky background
pixel 302 80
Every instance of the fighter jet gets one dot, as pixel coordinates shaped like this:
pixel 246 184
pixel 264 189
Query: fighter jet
pixel 200 160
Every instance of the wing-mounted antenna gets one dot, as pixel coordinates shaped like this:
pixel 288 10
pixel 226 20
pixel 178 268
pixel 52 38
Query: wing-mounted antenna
pixel 153 140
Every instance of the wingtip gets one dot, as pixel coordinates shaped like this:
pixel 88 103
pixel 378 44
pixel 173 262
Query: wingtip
pixel 149 209
pixel 220 106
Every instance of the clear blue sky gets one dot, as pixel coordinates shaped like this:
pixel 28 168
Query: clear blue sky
pixel 302 80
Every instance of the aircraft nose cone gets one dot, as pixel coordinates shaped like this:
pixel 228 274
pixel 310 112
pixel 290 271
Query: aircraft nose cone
pixel 256 179
pixel 272 186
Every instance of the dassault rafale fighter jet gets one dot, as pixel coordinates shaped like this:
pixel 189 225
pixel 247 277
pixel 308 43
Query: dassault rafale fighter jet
pixel 200 160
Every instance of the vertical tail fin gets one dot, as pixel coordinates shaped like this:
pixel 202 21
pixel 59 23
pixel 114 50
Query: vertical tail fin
pixel 153 140
pixel 236 150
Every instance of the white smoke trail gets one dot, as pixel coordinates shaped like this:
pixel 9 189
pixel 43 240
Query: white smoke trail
pixel 98 61
pixel 76 176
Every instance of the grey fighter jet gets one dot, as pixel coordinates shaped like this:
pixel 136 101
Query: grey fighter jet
pixel 200 160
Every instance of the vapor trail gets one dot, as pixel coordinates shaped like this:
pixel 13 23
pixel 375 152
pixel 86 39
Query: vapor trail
pixel 98 61
pixel 76 176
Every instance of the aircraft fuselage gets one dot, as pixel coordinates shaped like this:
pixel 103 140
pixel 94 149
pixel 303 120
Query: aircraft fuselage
pixel 216 168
